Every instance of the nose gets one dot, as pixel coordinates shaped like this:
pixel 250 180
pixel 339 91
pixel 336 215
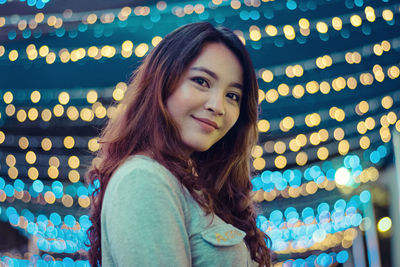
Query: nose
pixel 216 103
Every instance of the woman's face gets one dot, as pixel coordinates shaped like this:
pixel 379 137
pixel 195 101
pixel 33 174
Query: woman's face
pixel 206 103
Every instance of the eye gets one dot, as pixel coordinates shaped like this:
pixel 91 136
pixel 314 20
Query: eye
pixel 234 97
pixel 201 81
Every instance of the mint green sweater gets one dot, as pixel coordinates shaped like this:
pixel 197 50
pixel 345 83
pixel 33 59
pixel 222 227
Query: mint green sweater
pixel 147 220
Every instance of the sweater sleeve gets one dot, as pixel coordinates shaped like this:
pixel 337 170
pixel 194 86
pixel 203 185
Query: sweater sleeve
pixel 145 221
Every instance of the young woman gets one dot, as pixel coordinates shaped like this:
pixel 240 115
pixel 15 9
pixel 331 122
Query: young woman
pixel 174 164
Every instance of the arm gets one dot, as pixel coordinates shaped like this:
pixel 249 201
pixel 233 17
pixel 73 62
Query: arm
pixel 145 222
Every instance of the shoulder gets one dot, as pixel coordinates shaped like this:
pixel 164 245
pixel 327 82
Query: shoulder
pixel 142 172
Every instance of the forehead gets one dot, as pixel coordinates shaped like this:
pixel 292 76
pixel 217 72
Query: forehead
pixel 220 60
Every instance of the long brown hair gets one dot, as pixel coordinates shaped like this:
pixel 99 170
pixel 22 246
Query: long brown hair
pixel 144 124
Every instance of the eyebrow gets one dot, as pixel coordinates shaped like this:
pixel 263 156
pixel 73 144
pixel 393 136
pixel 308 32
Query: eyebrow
pixel 215 76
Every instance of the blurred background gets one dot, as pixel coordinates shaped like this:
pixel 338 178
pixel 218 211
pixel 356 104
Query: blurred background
pixel 325 174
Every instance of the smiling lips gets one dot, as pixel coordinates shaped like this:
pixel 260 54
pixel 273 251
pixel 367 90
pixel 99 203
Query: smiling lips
pixel 206 123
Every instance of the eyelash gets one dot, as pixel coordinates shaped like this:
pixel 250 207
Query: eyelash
pixel 234 96
pixel 200 81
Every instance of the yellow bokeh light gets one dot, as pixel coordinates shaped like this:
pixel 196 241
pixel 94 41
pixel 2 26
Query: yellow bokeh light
pixel 393 72
pixel 370 13
pixel 73 162
pixel 156 40
pixel 283 89
pixel 287 124
pixel 33 173
pixel 100 111
pixel 289 32
pixel 93 145
pixel 294 146
pixel 21 115
pixel 271 30
pixel 280 162
pixel 73 176
pixel 267 76
pixel 271 96
pixel 58 110
pixel 387 102
pixel 11 160
pixel 63 98
pixel 255 35
pixel 337 23
pixel 35 96
pixel 263 126
pixel 314 139
pixel 44 50
pixel 259 163
pixel 311 187
pixel 118 94
pixel 67 201
pixel 53 172
pixel 363 107
pixel 50 58
pixel 69 142
pixel 13 172
pixel 13 55
pixel 49 197
pixel 86 114
pixel 322 153
pixel 370 123
pixel 84 201
pixel 46 114
pixel 387 14
pixel 356 20
pixel 301 140
pixel 384 224
pixel 378 50
pixel 141 50
pixel 93 51
pixel 261 96
pixel 304 23
pixel 280 147
pixel 33 114
pixel 2 137
pixel 361 128
pixel 385 134
pixel 72 113
pixel 257 151
pixel 322 27
pixel 127 45
pixel 325 87
pixel 323 135
pixel 298 91
pixel 23 142
pixel 385 45
pixel 301 158
pixel 46 144
pixel 343 147
pixel 392 117
pixel 54 161
pixel 108 51
pixel 8 97
pixel 30 157
pixel 338 134
pixel 91 96
pixel 312 87
pixel 365 142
